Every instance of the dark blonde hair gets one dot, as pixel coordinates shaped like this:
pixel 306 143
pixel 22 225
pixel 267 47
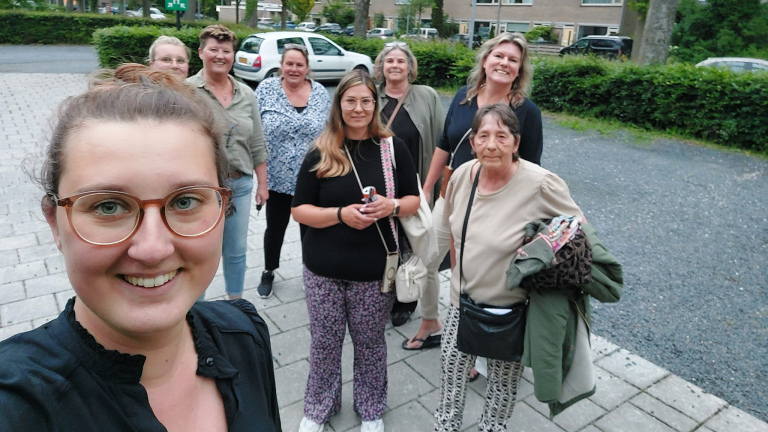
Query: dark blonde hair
pixel 300 48
pixel 333 161
pixel 503 113
pixel 218 32
pixel 130 93
pixel 413 64
pixel 522 84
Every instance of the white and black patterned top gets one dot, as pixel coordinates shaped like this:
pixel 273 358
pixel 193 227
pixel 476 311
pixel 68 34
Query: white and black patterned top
pixel 288 132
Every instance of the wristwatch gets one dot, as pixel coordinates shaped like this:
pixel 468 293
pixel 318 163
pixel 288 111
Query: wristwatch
pixel 396 210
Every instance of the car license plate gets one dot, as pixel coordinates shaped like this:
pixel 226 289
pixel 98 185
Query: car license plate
pixel 242 60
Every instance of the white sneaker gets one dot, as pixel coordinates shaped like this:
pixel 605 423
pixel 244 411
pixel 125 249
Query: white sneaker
pixel 308 425
pixel 372 426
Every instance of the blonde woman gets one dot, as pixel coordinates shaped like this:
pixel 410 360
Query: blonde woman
pixel 168 52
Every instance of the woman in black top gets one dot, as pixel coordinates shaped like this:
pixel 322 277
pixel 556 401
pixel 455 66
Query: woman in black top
pixel 345 244
pixel 135 201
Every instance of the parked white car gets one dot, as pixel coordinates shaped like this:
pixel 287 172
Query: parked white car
pixel 738 64
pixel 306 26
pixel 380 33
pixel 154 13
pixel 260 53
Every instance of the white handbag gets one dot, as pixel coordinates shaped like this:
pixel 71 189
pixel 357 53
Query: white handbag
pixel 412 274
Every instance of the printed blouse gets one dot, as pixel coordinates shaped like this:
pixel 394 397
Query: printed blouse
pixel 288 132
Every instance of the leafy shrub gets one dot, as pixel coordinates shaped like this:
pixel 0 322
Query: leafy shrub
pixel 709 103
pixel 21 27
pixel 122 44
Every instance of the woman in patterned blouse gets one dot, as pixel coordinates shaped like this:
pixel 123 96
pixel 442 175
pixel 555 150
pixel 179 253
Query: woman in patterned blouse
pixel 294 110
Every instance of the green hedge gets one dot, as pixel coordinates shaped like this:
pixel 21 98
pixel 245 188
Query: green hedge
pixel 116 45
pixel 22 27
pixel 712 104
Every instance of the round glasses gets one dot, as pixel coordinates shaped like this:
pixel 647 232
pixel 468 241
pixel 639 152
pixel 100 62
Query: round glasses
pixel 110 217
pixel 181 61
pixel 350 103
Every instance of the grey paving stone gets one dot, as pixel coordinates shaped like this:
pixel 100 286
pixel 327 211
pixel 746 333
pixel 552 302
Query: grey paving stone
pixel 63 297
pixel 8 331
pixel 290 269
pixel 395 351
pixel 629 418
pixel 254 259
pixel 12 292
pixel 291 382
pixel 291 415
pixel 34 253
pixel 686 397
pixel 9 258
pixel 273 330
pixel 289 290
pixel 346 418
pixel 601 347
pixel 47 284
pixel 32 226
pixel 590 428
pixel 22 271
pixel 27 310
pixel 636 370
pixel 527 419
pixel 734 419
pixel 579 415
pixel 405 385
pixel 411 417
pixel 473 406
pixel 427 364
pixel 611 391
pixel 55 264
pixel 289 316
pixel 291 346
pixel 44 237
pixel 665 413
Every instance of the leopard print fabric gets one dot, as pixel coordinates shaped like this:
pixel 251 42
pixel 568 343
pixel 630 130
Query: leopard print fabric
pixel 574 267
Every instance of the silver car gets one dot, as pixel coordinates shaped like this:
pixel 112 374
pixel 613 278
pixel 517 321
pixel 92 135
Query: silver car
pixel 738 64
pixel 259 56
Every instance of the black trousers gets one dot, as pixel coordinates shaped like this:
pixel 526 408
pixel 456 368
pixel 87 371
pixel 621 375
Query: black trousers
pixel 278 216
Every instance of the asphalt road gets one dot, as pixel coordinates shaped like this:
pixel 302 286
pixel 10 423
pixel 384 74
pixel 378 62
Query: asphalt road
pixel 688 223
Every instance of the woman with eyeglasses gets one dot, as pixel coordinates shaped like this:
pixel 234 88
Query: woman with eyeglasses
pixel 135 196
pixel 502 73
pixel 168 52
pixel 415 115
pixel 345 243
pixel 235 104
pixel 294 110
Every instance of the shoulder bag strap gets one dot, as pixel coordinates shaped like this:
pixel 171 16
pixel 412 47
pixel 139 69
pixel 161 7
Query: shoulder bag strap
pixel 453 153
pixel 359 183
pixel 466 221
pixel 399 103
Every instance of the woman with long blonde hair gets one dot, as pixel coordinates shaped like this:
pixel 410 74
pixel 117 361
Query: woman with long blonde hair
pixel 345 244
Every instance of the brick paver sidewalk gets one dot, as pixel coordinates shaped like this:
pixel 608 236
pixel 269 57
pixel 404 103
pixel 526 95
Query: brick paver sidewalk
pixel 632 393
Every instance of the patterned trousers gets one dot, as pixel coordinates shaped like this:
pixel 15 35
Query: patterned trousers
pixel 500 393
pixel 334 304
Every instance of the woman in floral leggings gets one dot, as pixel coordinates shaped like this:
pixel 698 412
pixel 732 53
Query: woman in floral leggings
pixel 345 244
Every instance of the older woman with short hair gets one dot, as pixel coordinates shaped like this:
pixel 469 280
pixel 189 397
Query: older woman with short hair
pixel 234 104
pixel 509 193
pixel 294 110
pixel 418 122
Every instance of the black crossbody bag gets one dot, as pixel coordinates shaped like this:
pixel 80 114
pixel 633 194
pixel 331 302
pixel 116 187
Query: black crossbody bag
pixel 484 333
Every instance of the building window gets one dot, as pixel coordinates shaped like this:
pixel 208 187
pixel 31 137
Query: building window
pixel 518 27
pixel 601 2
pixel 524 2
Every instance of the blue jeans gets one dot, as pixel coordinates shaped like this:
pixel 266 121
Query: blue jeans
pixel 236 233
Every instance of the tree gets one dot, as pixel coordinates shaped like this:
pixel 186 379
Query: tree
pixel 361 17
pixel 438 19
pixel 657 32
pixel 339 12
pixel 301 8
pixel 418 6
pixel 145 5
pixel 252 12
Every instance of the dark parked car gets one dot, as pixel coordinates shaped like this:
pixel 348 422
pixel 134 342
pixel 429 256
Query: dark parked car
pixel 349 30
pixel 289 25
pixel 463 38
pixel 331 28
pixel 608 46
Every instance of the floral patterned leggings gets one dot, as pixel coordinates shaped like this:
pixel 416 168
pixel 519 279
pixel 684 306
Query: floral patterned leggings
pixel 500 392
pixel 333 304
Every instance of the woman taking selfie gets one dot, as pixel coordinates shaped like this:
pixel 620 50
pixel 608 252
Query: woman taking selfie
pixel 294 110
pixel 236 106
pixel 135 197
pixel 345 243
